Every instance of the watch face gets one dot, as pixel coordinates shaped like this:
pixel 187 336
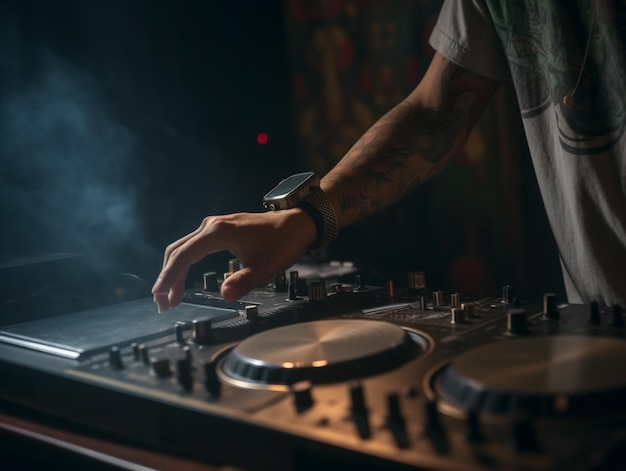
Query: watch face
pixel 290 191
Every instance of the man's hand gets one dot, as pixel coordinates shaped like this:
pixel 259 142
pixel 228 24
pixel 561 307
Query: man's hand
pixel 264 243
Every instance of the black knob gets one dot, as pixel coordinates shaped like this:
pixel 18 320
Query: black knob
pixel 517 321
pixel 524 436
pixel 145 354
pixel 358 411
pixel 469 310
pixel 395 421
pixel 161 367
pixel 457 315
pixel 507 294
pixel 618 317
pixel 183 373
pixel 434 430
pixel 423 302
pixel 473 432
pixel 115 358
pixel 438 299
pixel 317 291
pixel 211 381
pixel 252 313
pixel 550 310
pixel 302 397
pixel 203 332
pixel 594 313
pixel 358 281
pixel 416 280
pixel 280 282
pixel 209 281
pixel 293 291
pixel 136 353
pixel 455 300
pixel 179 332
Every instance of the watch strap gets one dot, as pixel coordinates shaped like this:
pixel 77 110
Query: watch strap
pixel 317 205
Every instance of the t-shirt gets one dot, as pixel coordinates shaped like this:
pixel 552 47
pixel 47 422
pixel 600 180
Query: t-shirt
pixel 579 151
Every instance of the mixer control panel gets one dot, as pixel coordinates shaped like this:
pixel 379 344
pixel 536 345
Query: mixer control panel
pixel 330 372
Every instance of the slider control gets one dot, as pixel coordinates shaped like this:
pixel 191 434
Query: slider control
pixel 395 421
pixel 434 430
pixel 358 411
pixel 211 381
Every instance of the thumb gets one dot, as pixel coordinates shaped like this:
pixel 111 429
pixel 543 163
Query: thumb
pixel 239 284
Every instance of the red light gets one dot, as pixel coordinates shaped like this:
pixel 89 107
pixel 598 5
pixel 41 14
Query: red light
pixel 262 138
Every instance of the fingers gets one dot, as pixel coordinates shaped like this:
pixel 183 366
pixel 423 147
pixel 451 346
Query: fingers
pixel 169 287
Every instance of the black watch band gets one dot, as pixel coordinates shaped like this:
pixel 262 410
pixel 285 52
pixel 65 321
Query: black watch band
pixel 317 205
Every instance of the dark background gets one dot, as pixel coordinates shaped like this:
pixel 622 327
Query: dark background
pixel 124 123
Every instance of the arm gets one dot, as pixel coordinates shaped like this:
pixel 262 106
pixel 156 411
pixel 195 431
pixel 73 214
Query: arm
pixel 404 148
pixel 410 143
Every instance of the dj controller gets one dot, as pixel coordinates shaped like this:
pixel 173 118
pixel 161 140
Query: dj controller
pixel 317 370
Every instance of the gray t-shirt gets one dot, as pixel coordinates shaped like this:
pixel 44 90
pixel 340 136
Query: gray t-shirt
pixel 579 152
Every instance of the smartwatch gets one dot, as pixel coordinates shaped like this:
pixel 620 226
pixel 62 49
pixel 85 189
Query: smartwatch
pixel 303 190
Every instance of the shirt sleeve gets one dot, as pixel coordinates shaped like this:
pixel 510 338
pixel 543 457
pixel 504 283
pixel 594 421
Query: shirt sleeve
pixel 465 34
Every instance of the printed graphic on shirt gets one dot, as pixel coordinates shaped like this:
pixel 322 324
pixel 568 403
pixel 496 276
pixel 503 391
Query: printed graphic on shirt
pixel 545 41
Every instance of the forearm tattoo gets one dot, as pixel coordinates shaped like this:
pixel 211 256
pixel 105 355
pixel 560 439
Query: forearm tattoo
pixel 405 147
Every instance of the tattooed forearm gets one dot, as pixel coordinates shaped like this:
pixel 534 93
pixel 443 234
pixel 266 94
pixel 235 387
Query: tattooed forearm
pixel 409 144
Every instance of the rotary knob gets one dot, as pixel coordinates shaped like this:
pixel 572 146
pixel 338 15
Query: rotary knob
pixel 161 367
pixel 252 313
pixel 457 315
pixel 202 331
pixel 317 291
pixel 209 281
pixel 517 322
pixel 550 310
pixel 302 396
pixel 416 280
